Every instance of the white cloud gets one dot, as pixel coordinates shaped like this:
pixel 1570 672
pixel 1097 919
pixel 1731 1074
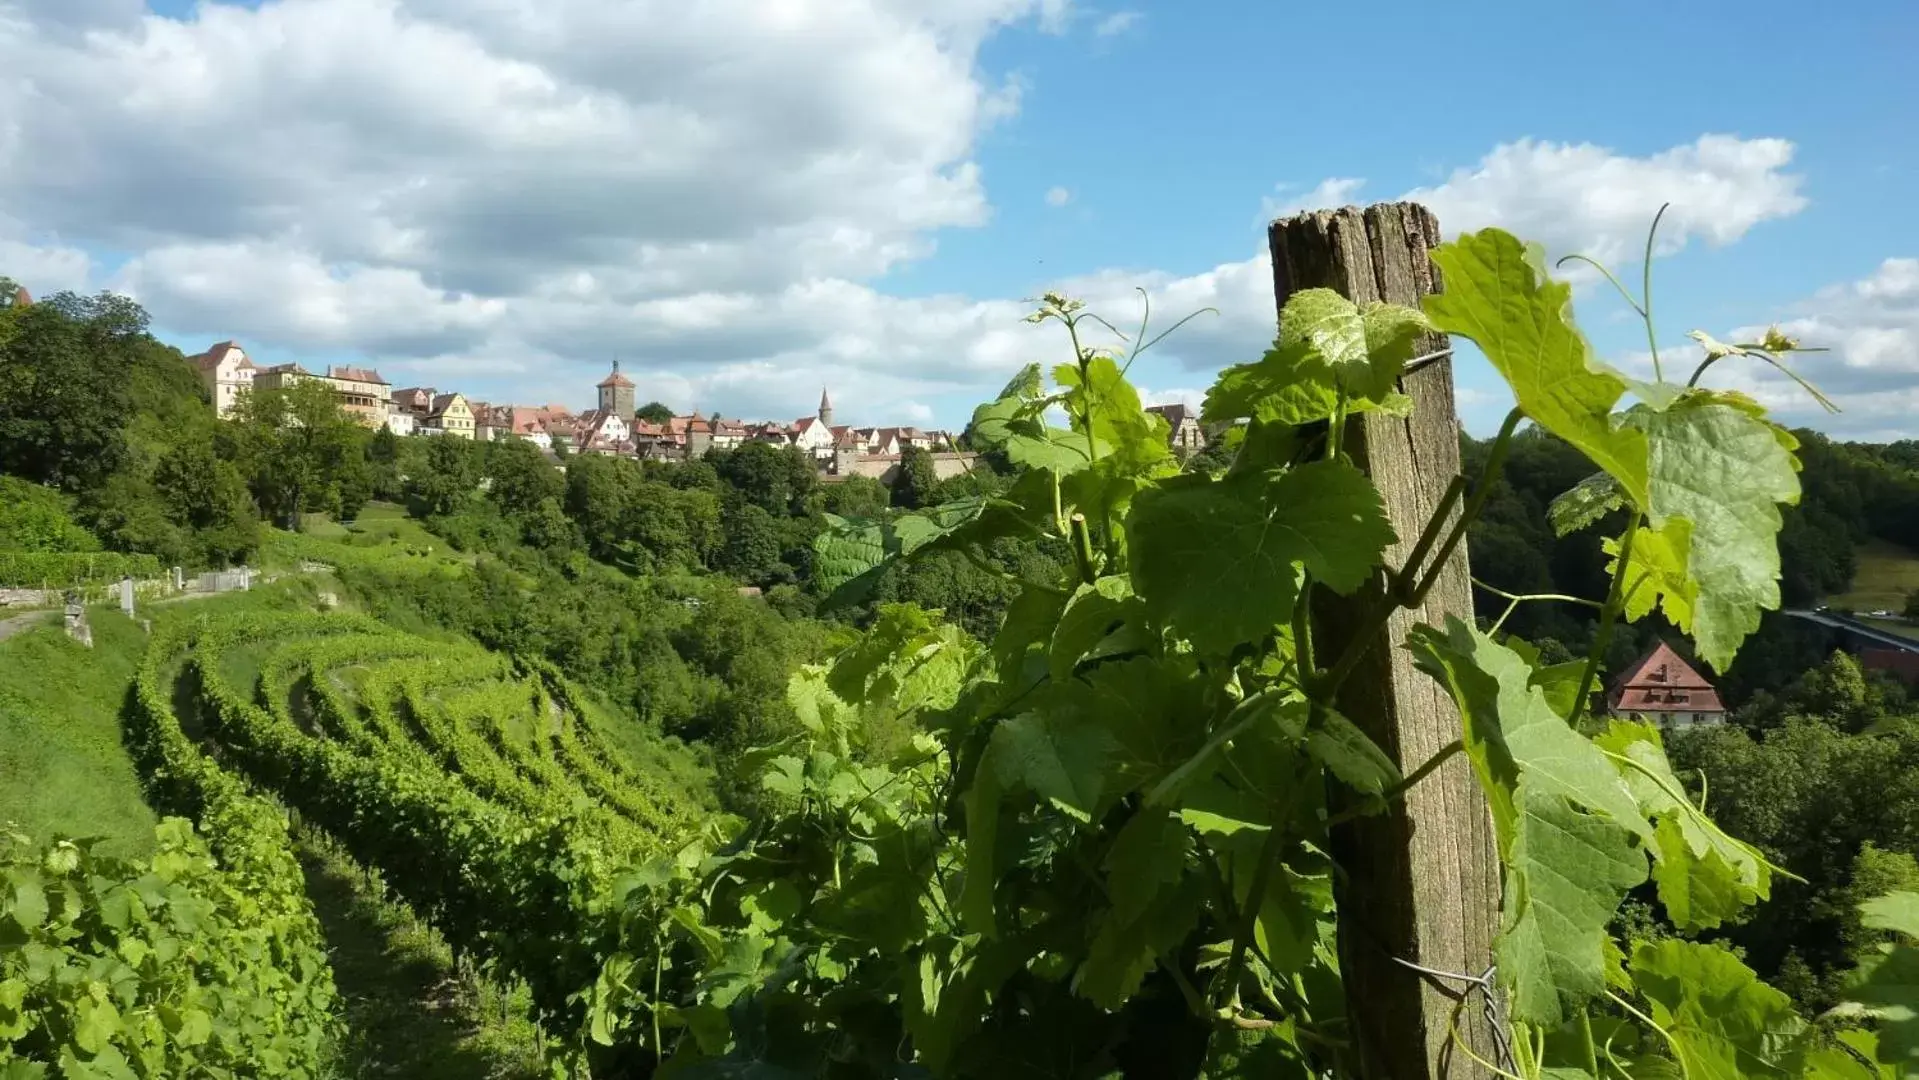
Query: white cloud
pixel 1329 194
pixel 1058 196
pixel 1119 22
pixel 1587 199
pixel 514 194
pixel 1870 369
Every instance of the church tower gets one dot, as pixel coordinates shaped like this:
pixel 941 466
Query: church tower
pixel 826 409
pixel 616 394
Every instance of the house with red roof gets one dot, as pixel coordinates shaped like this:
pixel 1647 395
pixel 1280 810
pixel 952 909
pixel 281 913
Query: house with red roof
pixel 226 372
pixel 1663 688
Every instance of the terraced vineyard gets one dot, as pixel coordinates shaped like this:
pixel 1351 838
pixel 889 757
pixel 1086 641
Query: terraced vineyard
pixel 480 786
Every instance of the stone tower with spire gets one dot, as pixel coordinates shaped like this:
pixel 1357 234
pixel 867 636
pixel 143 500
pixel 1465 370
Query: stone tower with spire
pixel 616 394
pixel 826 409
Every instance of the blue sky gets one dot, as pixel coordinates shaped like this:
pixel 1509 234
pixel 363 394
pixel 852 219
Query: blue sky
pixel 746 209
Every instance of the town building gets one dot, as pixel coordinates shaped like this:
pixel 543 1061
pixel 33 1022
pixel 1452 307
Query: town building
pixel 399 421
pixel 1661 687
pixel 616 394
pixel 362 393
pixel 224 370
pixel 280 377
pixel 1184 434
pixel 450 415
pixel 417 400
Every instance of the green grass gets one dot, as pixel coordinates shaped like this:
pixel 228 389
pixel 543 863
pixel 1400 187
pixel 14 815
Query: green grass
pixel 63 766
pixel 1890 627
pixel 1886 574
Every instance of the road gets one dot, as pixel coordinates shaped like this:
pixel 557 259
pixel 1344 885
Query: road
pixel 1854 626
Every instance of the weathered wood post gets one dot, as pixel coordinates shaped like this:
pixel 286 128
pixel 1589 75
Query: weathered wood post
pixel 1419 883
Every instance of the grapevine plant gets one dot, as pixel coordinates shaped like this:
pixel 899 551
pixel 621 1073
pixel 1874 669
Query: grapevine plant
pixel 1102 850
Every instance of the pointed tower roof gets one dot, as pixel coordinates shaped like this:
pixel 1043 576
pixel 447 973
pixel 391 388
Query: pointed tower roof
pixel 826 403
pixel 616 379
pixel 1660 681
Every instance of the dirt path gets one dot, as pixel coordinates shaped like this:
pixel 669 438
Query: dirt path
pixel 17 623
pixel 408 1013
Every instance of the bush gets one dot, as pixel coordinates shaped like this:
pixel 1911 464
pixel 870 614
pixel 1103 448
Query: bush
pixel 28 569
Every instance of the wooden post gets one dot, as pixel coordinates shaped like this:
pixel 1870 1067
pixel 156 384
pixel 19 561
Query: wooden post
pixel 1421 882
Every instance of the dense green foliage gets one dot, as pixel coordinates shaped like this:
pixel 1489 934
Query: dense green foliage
pixel 171 966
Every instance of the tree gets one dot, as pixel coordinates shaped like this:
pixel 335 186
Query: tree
pixel 596 500
pixel 522 477
pixel 917 483
pixel 751 547
pixel 208 497
pixel 653 412
pixel 301 452
pixel 775 478
pixel 446 476
pixel 63 395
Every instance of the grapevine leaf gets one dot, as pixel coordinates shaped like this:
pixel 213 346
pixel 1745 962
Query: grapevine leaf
pixel 29 899
pixel 850 555
pixel 1584 504
pixel 1269 706
pixel 982 806
pixel 1721 1021
pixel 1093 613
pixel 995 422
pixel 1029 621
pixel 1136 438
pixel 1657 577
pixel 1290 385
pixel 1512 732
pixel 1124 950
pixel 1522 321
pixel 1349 754
pixel 1897 911
pixel 1148 856
pixel 1723 469
pixel 1704 876
pixel 1566 872
pixel 1059 757
pixel 1147 707
pixel 1886 986
pixel 1220 561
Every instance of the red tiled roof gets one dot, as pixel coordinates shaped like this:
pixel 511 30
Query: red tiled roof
pixel 1174 414
pixel 354 374
pixel 1661 682
pixel 616 379
pixel 21 297
pixel 1902 664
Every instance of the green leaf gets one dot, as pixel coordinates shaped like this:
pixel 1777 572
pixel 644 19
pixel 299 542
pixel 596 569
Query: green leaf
pixel 1720 1019
pixel 1094 612
pixel 1220 561
pixel 1030 620
pixel 1566 870
pixel 1566 873
pixel 1658 577
pixel 1124 950
pixel 1895 911
pixel 1522 321
pixel 1126 432
pixel 1059 757
pixel 29 899
pixel 1704 876
pixel 1290 385
pixel 1513 733
pixel 1349 754
pixel 1148 856
pixel 1886 986
pixel 1584 504
pixel 95 1023
pixel 1724 470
